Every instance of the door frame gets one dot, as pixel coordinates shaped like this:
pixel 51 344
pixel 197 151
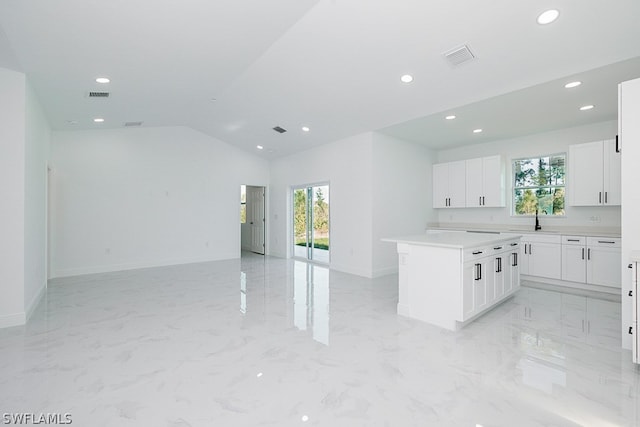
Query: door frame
pixel 291 222
pixel 264 216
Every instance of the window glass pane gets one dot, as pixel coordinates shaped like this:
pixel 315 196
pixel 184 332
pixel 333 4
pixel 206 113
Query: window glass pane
pixel 539 185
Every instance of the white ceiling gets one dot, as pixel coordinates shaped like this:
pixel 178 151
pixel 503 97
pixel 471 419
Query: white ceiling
pixel 332 65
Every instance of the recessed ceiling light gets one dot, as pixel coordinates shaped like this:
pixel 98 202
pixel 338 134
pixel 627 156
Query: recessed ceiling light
pixel 305 129
pixel 586 107
pixel 259 147
pixel 407 78
pixel 477 130
pixel 548 16
pixel 451 117
pixel 102 80
pixel 572 84
pixel 98 120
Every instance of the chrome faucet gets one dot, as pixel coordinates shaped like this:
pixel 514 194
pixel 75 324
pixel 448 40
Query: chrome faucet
pixel 538 226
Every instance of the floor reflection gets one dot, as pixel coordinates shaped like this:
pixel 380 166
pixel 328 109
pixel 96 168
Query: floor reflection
pixel 311 299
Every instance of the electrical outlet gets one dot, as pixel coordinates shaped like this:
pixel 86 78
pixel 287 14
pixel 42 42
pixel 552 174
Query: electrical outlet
pixel 595 218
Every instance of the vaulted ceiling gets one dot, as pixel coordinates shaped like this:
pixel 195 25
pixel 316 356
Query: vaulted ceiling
pixel 234 69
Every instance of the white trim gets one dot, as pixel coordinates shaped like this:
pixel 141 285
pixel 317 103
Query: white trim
pixel 10 320
pixel 573 285
pixel 380 272
pixel 31 307
pixel 68 272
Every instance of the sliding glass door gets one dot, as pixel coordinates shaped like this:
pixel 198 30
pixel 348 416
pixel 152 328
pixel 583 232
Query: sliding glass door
pixel 311 222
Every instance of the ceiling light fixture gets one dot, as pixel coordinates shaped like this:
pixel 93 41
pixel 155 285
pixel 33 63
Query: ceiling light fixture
pixel 548 16
pixel 586 107
pixel 477 130
pixel 451 117
pixel 305 129
pixel 407 78
pixel 102 80
pixel 259 147
pixel 98 120
pixel 572 84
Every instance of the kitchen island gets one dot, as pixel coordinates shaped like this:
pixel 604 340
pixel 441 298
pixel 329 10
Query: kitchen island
pixel 450 278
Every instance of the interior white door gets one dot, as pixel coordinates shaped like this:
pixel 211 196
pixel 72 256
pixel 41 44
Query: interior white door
pixel 255 218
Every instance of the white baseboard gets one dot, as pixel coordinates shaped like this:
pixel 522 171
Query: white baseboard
pixel 380 272
pixel 30 308
pixel 79 271
pixel 9 320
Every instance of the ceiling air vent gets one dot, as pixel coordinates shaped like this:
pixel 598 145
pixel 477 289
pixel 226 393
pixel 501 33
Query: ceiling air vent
pixel 279 129
pixel 459 55
pixel 132 124
pixel 98 94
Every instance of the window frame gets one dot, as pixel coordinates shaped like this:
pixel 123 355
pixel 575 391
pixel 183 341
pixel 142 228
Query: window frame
pixel 514 214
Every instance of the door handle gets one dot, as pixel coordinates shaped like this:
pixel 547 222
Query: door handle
pixel 582 253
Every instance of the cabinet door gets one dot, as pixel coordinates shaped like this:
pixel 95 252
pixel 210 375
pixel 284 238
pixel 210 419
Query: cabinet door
pixel 457 184
pixel 469 276
pixel 604 266
pixel 493 182
pixel 523 259
pixel 612 175
pixel 495 285
pixel 585 174
pixel 544 260
pixel 574 263
pixel 474 186
pixel 480 285
pixel 440 185
pixel 512 278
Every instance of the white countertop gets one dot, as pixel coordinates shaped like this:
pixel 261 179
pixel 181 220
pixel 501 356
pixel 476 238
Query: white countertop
pixel 502 228
pixel 453 239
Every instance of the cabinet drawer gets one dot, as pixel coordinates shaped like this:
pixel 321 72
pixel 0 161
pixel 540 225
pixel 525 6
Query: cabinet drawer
pixel 477 253
pixel 604 242
pixel 574 240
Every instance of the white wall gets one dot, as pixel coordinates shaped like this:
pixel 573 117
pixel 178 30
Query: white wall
pixel 526 146
pixel 12 176
pixel 347 166
pixel 402 199
pixel 130 198
pixel 37 143
pixel 630 143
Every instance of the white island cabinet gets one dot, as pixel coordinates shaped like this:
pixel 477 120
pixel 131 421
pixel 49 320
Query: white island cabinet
pixel 449 278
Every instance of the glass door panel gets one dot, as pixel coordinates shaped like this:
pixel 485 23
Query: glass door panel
pixel 311 222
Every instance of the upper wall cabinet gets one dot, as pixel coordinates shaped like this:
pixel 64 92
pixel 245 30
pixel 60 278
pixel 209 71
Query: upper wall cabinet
pixel 449 185
pixel 485 182
pixel 594 174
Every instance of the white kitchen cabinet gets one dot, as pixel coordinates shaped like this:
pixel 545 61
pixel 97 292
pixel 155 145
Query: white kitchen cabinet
pixel 633 293
pixel 604 265
pixel 541 255
pixel 594 174
pixel 574 258
pixel 485 186
pixel 449 185
pixel 591 320
pixel 444 279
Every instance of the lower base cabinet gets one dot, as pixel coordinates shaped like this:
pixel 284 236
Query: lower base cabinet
pixel 490 274
pixel 592 260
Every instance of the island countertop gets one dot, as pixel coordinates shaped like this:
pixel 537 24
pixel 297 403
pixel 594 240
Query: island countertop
pixel 454 239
